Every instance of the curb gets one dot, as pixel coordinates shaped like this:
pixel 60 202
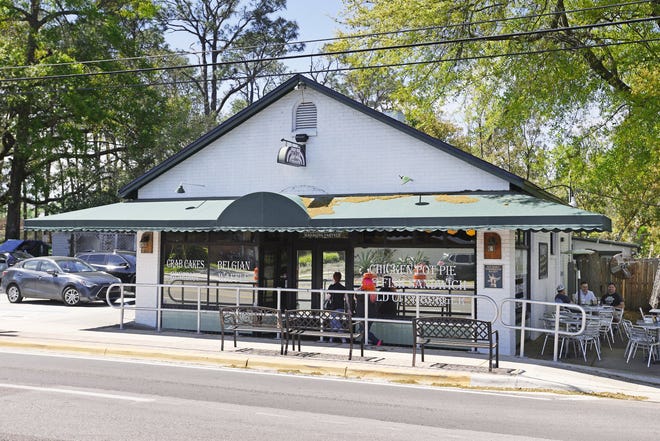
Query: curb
pixel 357 371
pixel 303 367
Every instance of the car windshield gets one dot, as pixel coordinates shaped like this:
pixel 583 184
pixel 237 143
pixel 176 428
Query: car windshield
pixel 74 266
pixel 129 257
pixel 21 255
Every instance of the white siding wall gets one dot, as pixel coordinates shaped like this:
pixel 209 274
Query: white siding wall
pixel 351 153
pixel 507 336
pixel 147 271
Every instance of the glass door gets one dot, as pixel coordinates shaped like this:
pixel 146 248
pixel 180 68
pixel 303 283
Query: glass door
pixel 273 274
pixel 304 277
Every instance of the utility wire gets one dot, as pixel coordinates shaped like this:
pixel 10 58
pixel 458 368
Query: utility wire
pixel 345 37
pixel 343 69
pixel 344 52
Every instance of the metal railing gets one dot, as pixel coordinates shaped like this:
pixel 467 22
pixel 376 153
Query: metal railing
pixel 556 331
pixel 427 301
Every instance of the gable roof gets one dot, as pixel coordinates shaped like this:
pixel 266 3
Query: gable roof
pixel 130 190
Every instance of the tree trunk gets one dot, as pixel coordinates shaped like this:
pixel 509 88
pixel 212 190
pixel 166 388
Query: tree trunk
pixel 18 172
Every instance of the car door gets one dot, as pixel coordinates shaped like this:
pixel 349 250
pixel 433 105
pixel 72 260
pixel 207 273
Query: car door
pixel 26 277
pixel 117 266
pixel 46 284
pixel 96 260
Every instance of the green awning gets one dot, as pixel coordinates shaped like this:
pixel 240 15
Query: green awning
pixel 276 212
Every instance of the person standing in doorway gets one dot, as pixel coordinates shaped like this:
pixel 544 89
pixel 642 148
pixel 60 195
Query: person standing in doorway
pixel 338 302
pixel 584 296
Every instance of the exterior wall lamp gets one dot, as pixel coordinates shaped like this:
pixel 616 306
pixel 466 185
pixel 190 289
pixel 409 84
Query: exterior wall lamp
pixel 183 190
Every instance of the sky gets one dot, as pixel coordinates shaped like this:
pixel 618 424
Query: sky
pixel 315 20
pixel 314 17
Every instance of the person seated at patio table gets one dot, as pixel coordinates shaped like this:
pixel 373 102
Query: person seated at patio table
pixel 585 297
pixel 561 296
pixel 611 297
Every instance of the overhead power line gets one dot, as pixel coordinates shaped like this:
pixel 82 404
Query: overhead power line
pixel 354 68
pixel 345 37
pixel 496 37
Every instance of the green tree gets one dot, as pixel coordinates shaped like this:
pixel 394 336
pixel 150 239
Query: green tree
pixel 72 134
pixel 236 40
pixel 548 90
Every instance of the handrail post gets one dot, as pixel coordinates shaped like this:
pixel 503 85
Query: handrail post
pixel 199 309
pixel 556 345
pixel 159 312
pixel 523 319
pixel 121 311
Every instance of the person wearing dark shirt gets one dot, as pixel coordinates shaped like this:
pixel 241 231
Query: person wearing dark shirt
pixel 561 296
pixel 611 297
pixel 337 300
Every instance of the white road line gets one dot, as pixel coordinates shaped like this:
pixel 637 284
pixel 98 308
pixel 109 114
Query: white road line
pixel 76 392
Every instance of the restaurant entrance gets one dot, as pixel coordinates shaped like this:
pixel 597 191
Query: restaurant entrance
pixel 302 263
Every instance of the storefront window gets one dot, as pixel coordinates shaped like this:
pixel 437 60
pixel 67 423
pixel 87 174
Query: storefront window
pixel 194 259
pixel 419 268
pixel 432 271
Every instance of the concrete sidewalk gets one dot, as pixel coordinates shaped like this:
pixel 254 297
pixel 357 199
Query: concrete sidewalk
pixel 93 330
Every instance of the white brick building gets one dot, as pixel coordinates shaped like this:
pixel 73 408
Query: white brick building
pixel 306 182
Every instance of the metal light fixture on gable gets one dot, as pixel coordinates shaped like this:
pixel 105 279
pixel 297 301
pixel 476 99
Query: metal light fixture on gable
pixel 181 190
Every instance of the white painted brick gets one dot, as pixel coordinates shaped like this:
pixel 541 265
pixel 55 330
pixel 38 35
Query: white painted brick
pixel 351 153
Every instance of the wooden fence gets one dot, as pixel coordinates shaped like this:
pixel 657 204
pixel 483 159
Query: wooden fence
pixel 636 291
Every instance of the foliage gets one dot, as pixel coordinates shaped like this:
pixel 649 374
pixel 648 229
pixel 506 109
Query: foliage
pixel 237 40
pixel 547 90
pixel 71 133
pixel 331 257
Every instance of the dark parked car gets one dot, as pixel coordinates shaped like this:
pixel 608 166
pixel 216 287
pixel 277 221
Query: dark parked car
pixel 119 263
pixel 35 248
pixel 10 258
pixel 464 265
pixel 67 279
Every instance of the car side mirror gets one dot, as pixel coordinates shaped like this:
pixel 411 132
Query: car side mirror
pixel 52 272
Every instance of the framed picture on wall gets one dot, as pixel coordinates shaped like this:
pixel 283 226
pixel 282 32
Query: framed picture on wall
pixel 492 246
pixel 543 260
pixel 492 276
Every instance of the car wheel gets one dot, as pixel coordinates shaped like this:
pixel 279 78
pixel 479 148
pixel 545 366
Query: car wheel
pixel 71 296
pixel 14 294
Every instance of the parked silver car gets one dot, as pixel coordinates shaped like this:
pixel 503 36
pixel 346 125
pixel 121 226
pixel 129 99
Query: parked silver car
pixel 68 279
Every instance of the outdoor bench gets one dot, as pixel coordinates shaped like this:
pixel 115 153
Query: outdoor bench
pixel 237 319
pixel 321 323
pixel 455 332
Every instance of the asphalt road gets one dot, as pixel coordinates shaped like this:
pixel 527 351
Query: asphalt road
pixel 52 397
